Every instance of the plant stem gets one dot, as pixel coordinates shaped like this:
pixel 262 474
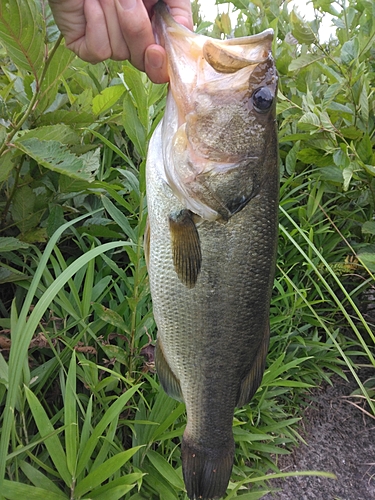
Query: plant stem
pixel 34 100
pixel 136 285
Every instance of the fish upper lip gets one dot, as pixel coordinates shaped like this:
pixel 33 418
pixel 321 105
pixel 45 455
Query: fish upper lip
pixel 164 22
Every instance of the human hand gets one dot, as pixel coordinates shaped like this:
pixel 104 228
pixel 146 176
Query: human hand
pixel 96 30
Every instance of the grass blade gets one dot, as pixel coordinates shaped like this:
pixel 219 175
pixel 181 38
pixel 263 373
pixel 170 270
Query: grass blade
pixel 70 418
pixel 53 444
pixel 109 415
pixel 165 469
pixel 13 490
pixel 22 332
pixel 104 471
pixel 38 479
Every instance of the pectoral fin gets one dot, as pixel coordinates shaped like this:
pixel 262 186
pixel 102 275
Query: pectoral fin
pixel 167 378
pixel 253 379
pixel 186 249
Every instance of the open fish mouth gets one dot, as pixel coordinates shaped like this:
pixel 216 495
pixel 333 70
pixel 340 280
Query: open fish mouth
pixel 221 95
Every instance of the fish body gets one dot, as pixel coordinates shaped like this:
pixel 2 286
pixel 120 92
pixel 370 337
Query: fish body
pixel 212 192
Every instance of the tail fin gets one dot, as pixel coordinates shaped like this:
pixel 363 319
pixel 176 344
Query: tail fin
pixel 206 471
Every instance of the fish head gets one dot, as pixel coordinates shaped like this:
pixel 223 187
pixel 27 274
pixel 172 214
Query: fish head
pixel 220 116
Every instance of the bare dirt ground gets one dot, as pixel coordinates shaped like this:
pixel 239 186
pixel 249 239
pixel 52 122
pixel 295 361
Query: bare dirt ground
pixel 340 439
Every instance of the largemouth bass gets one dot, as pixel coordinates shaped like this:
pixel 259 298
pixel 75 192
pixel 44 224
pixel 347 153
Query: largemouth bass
pixel 212 191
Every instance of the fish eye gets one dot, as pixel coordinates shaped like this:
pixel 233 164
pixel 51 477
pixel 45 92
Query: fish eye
pixel 262 99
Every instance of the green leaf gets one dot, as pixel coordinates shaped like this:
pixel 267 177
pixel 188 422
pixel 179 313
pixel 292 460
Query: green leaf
pixel 326 6
pixel 55 219
pixel 12 490
pixel 110 317
pixel 303 61
pixel 133 127
pixel 126 481
pixel 276 369
pixel 350 51
pixel 157 482
pixel 56 156
pixel 348 172
pixel 364 149
pixel 290 383
pixel 291 158
pixel 301 31
pixel 61 133
pixel 37 478
pixel 11 276
pixel 119 218
pixel 165 469
pixel 112 412
pixel 52 80
pixel 368 260
pixel 70 417
pixel 35 235
pixel 351 132
pixel 114 493
pixel 368 227
pixel 309 121
pixel 69 117
pixel 370 169
pixel 6 165
pixel 136 82
pixel 22 32
pixel 9 244
pixel 116 352
pixel 107 98
pixel 23 209
pixel 344 110
pixel 52 442
pixel 364 104
pixel 104 471
pixel 313 156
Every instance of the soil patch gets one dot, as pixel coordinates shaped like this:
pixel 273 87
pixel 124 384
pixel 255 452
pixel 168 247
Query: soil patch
pixel 340 439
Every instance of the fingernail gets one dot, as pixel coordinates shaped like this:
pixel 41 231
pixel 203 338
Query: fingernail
pixel 154 59
pixel 127 4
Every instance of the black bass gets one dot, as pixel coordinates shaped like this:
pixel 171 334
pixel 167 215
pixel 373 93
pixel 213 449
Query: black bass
pixel 212 191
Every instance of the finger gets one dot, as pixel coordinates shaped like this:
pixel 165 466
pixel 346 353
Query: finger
pixel 180 10
pixel 70 18
pixel 136 29
pixel 94 46
pixel 119 49
pixel 156 64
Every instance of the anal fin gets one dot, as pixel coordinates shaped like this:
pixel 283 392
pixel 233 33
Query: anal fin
pixel 186 248
pixel 168 380
pixel 251 382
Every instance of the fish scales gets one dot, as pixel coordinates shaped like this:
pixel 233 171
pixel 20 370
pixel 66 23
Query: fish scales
pixel 211 243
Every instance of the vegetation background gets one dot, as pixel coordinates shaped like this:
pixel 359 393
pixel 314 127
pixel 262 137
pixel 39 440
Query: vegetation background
pixel 81 412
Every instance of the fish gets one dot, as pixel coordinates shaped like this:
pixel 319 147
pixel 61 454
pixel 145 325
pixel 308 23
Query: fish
pixel 212 184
